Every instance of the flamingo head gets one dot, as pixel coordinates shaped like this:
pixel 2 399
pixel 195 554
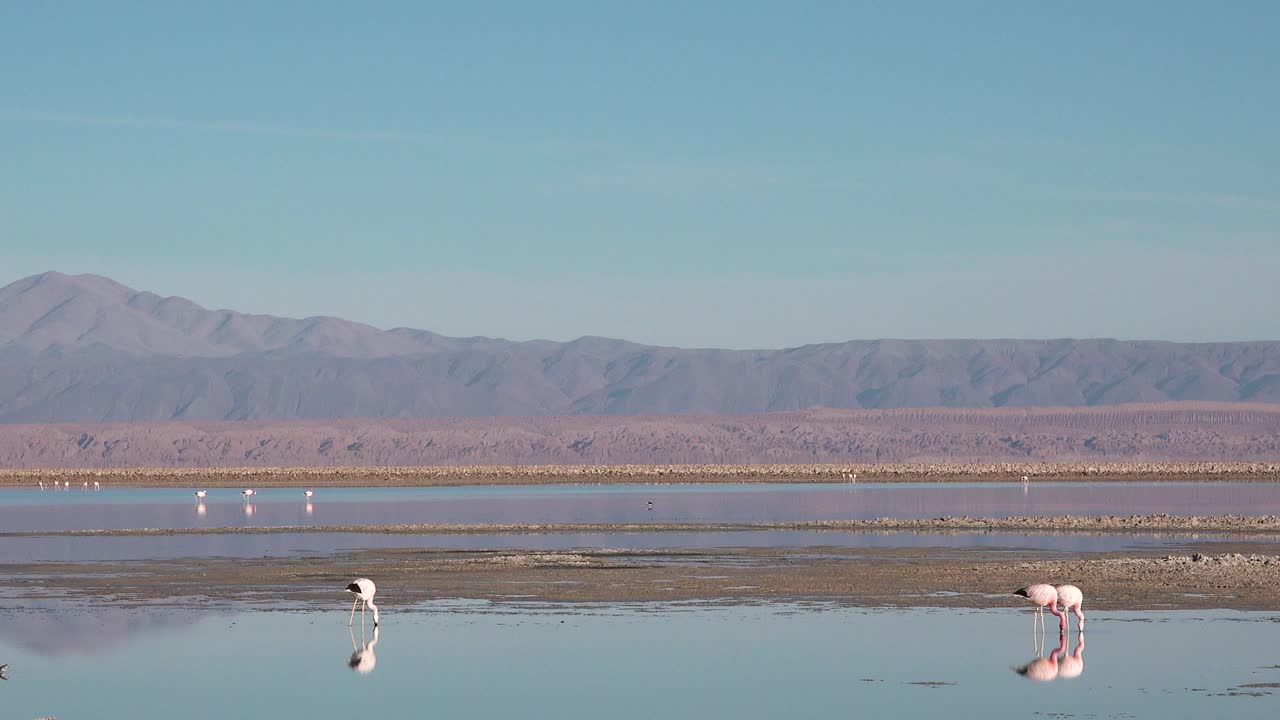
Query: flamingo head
pixel 1021 593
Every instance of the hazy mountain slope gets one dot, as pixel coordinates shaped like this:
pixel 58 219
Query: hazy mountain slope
pixel 87 349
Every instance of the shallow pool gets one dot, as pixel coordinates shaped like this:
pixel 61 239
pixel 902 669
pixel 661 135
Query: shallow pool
pixel 475 660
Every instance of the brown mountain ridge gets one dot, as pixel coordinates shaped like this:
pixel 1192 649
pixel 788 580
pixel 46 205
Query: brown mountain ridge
pixel 85 349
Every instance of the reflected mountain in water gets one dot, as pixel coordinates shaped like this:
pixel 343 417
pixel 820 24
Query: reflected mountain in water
pixel 52 628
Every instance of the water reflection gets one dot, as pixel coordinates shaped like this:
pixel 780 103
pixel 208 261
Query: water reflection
pixel 201 509
pixel 310 508
pixel 1056 664
pixel 249 509
pixel 1071 666
pixel 635 663
pixel 54 628
pixel 363 660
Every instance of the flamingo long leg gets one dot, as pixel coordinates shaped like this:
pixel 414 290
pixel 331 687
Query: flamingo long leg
pixel 352 619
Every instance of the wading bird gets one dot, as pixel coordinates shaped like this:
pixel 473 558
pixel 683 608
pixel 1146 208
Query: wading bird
pixel 97 485
pixel 1071 599
pixel 1044 596
pixel 201 494
pixel 363 589
pixel 41 486
pixel 248 493
pixel 308 493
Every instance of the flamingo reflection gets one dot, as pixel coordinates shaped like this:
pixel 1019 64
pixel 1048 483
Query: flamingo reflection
pixel 1057 664
pixel 363 660
pixel 249 509
pixel 201 510
pixel 1071 666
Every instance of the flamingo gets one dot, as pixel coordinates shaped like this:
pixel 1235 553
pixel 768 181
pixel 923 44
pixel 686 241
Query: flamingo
pixel 1071 598
pixel 85 486
pixel 248 493
pixel 1044 596
pixel 66 485
pixel 308 493
pixel 41 486
pixel 364 590
pixel 97 485
pixel 201 494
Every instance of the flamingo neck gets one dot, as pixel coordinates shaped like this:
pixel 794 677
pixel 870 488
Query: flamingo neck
pixel 374 608
pixel 1062 617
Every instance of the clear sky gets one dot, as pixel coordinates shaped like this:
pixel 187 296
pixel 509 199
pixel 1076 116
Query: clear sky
pixel 740 174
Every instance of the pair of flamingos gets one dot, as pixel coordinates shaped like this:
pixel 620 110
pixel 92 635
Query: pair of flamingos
pixel 1048 596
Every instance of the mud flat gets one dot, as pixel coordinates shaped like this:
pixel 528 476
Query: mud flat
pixel 1233 576
pixel 440 476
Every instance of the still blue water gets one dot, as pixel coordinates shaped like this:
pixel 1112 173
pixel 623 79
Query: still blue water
pixel 27 509
pixel 474 660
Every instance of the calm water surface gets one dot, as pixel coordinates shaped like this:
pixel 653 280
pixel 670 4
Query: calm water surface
pixel 484 661
pixel 33 510
pixel 249 545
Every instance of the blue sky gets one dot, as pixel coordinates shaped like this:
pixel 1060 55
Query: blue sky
pixel 706 174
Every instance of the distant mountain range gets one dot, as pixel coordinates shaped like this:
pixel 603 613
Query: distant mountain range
pixel 86 349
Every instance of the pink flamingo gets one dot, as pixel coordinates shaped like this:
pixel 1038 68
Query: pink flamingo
pixel 1071 597
pixel 1044 596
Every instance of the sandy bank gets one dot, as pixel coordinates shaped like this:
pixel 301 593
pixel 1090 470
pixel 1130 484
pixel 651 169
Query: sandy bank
pixel 1231 576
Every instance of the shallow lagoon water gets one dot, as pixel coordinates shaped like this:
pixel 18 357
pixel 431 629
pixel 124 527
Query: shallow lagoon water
pixel 26 510
pixel 475 660
pixel 255 545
